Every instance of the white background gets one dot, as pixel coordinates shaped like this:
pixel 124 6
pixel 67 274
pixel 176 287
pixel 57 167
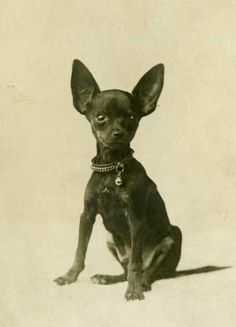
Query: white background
pixel 187 147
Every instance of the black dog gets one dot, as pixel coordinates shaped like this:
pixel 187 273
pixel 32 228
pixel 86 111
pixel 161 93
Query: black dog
pixel 142 239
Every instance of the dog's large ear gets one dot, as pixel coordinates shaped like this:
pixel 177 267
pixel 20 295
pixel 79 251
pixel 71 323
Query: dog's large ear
pixel 83 86
pixel 148 89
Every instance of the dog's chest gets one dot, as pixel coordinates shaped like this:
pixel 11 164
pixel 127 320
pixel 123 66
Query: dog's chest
pixel 112 207
pixel 105 190
pixel 108 189
pixel 109 198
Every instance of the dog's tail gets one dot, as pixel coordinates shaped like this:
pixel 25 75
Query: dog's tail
pixel 201 270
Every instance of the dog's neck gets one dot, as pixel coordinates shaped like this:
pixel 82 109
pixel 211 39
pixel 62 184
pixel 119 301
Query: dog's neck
pixel 107 155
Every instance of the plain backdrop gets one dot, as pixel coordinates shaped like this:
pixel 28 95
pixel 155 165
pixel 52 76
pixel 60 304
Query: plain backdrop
pixel 187 147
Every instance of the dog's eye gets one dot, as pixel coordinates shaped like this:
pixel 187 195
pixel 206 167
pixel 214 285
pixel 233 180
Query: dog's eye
pixel 101 118
pixel 131 117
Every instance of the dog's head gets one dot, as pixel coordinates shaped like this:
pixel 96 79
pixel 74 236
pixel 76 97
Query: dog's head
pixel 114 115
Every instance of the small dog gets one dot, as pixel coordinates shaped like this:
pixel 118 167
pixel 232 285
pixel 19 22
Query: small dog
pixel 143 241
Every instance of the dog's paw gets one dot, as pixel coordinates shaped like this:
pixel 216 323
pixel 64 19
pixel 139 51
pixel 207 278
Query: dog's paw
pixel 100 279
pixel 132 295
pixel 146 286
pixel 108 279
pixel 68 278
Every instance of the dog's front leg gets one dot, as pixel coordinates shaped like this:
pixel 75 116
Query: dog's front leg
pixel 134 290
pixel 85 229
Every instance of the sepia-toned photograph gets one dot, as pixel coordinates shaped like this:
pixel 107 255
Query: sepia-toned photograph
pixel 117 163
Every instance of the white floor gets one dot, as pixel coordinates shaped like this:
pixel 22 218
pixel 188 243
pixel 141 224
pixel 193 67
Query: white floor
pixel 33 254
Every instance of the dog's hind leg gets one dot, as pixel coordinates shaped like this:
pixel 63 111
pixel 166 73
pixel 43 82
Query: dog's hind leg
pixel 119 253
pixel 165 259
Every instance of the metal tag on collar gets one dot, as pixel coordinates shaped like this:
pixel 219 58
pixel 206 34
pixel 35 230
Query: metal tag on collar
pixel 119 169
